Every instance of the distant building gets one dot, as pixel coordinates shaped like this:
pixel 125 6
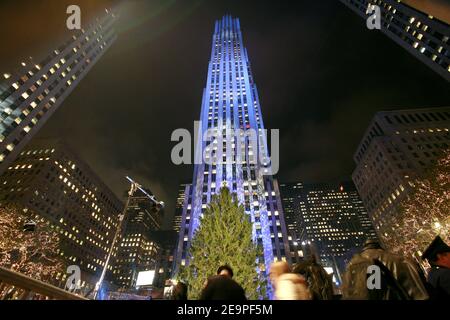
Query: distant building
pixel 289 198
pixel 138 249
pixel 397 147
pixel 167 240
pixel 420 33
pixel 32 94
pixel 50 182
pixel 327 219
pixel 176 222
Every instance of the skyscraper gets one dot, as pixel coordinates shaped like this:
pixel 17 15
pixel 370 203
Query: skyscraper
pixel 138 249
pixel 419 32
pixel 289 198
pixel 329 216
pixel 50 182
pixel 397 147
pixel 230 103
pixel 32 94
pixel 176 222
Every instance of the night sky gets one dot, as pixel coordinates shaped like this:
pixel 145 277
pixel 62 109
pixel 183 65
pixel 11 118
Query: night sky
pixel 321 75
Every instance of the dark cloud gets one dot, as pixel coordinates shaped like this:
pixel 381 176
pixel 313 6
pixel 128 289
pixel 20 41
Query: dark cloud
pixel 321 75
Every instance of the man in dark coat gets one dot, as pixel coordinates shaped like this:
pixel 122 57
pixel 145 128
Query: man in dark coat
pixel 400 278
pixel 223 287
pixel 438 255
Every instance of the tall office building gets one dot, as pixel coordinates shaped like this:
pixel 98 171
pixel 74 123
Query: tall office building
pixel 230 102
pixel 138 249
pixel 176 222
pixel 419 32
pixel 299 250
pixel 330 219
pixel 51 183
pixel 167 240
pixel 289 198
pixel 33 93
pixel 397 147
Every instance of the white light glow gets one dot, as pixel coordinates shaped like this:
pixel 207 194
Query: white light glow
pixel 145 278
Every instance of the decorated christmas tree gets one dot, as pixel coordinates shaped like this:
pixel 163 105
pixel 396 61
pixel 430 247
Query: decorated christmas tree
pixel 424 213
pixel 224 237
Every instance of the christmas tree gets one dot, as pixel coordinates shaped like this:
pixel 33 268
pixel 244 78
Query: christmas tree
pixel 424 213
pixel 224 237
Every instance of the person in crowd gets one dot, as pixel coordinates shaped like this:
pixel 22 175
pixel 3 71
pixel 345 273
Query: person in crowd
pixel 225 270
pixel 438 255
pixel 223 287
pixel 288 285
pixel 319 281
pixel 180 291
pixel 376 274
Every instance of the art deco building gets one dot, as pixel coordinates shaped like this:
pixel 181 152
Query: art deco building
pixel 29 96
pixel 230 102
pixel 51 183
pixel 397 147
pixel 138 249
pixel 327 218
pixel 420 27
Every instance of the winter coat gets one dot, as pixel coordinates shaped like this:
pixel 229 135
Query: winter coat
pixel 401 279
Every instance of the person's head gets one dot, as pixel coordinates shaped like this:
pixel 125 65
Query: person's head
pixel 226 271
pixel 180 291
pixel 300 267
pixel 438 253
pixel 277 269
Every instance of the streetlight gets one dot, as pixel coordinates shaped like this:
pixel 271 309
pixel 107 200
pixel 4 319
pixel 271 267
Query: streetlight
pixel 133 187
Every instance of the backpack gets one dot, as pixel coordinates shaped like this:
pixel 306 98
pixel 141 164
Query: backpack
pixel 355 282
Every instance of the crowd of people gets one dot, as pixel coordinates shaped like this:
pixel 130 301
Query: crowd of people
pixel 398 278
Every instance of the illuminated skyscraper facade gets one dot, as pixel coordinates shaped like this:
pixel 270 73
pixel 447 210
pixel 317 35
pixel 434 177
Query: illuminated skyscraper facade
pixel 230 103
pixel 51 183
pixel 32 94
pixel 176 222
pixel 138 248
pixel 398 147
pixel 330 217
pixel 420 33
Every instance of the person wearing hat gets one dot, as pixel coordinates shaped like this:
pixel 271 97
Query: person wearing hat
pixel 438 255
